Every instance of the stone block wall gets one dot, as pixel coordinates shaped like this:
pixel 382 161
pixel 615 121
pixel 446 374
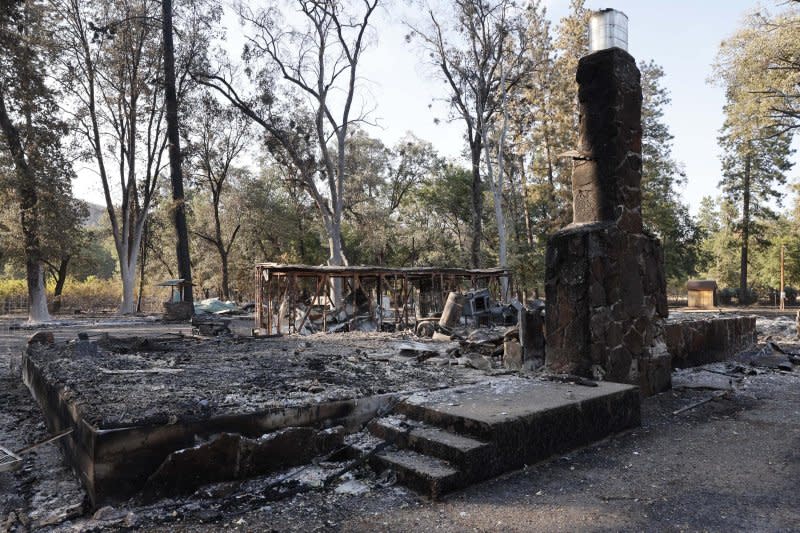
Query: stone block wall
pixel 607 296
pixel 606 177
pixel 706 340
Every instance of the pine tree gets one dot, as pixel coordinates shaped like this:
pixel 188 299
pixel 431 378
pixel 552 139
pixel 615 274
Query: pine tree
pixel 664 213
pixel 561 127
pixel 754 166
pixel 757 67
pixel 764 56
pixel 717 219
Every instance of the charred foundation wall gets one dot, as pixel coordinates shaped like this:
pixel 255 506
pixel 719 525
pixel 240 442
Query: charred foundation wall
pixel 700 341
pixel 114 464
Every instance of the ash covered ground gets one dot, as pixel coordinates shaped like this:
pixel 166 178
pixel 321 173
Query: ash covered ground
pixel 731 463
pixel 130 381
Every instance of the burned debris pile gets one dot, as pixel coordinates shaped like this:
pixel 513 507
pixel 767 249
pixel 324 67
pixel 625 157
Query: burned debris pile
pixel 309 299
pixel 445 305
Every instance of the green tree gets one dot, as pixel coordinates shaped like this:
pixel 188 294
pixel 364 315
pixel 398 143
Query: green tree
pixel 792 236
pixel 32 163
pixel 65 236
pixel 309 60
pixel 479 49
pixel 764 56
pixel 218 137
pixel 756 135
pixel 765 260
pixel 110 71
pixel 381 178
pixel 278 221
pixel 544 127
pixel 664 212
pixel 438 216
pixel 555 104
pixel 528 111
pixel 95 257
pixel 717 221
pixel 754 166
pixel 61 219
pixel 111 58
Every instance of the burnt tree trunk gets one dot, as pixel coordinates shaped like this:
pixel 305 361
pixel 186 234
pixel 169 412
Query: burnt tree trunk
pixel 61 278
pixel 476 203
pixel 176 175
pixel 744 296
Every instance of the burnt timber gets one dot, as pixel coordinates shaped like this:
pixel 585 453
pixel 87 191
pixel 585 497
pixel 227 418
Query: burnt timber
pixel 411 292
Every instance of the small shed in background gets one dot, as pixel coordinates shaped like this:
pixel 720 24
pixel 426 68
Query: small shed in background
pixel 702 293
pixel 176 309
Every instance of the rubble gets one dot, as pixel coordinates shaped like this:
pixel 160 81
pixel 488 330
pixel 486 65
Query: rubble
pixel 215 306
pixel 230 456
pixel 300 491
pixel 702 379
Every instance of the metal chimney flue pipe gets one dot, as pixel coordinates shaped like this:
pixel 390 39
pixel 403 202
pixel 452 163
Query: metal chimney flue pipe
pixel 608 28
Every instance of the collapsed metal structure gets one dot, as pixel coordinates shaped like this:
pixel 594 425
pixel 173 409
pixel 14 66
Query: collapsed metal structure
pixel 394 295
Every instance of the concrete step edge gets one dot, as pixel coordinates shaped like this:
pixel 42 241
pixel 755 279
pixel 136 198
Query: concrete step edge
pixel 431 440
pixel 425 474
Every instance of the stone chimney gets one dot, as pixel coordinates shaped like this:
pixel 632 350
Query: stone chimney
pixel 605 285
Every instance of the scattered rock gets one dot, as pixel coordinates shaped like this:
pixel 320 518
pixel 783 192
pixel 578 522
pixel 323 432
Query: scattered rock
pixel 478 361
pixel 702 379
pixel 351 486
pixel 108 513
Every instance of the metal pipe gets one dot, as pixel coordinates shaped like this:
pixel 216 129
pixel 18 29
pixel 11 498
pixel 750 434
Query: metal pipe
pixel 608 28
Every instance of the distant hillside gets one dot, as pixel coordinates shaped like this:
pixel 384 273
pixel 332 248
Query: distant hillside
pixel 96 212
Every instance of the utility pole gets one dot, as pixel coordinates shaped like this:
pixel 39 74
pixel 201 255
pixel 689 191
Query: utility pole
pixel 176 175
pixel 783 284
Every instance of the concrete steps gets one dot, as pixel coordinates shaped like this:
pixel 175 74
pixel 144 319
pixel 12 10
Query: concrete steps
pixel 448 439
pixel 425 474
pixel 412 434
pixel 428 459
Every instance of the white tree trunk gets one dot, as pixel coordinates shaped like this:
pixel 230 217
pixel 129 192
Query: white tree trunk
pixel 502 234
pixel 128 274
pixel 497 188
pixel 128 305
pixel 337 258
pixel 128 257
pixel 500 219
pixel 37 310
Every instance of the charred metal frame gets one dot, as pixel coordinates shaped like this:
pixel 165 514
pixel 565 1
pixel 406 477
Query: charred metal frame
pixel 277 284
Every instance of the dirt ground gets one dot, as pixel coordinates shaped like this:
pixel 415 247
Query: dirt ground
pixel 732 463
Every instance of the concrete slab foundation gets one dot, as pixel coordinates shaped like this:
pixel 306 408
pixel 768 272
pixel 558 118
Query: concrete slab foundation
pixel 165 445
